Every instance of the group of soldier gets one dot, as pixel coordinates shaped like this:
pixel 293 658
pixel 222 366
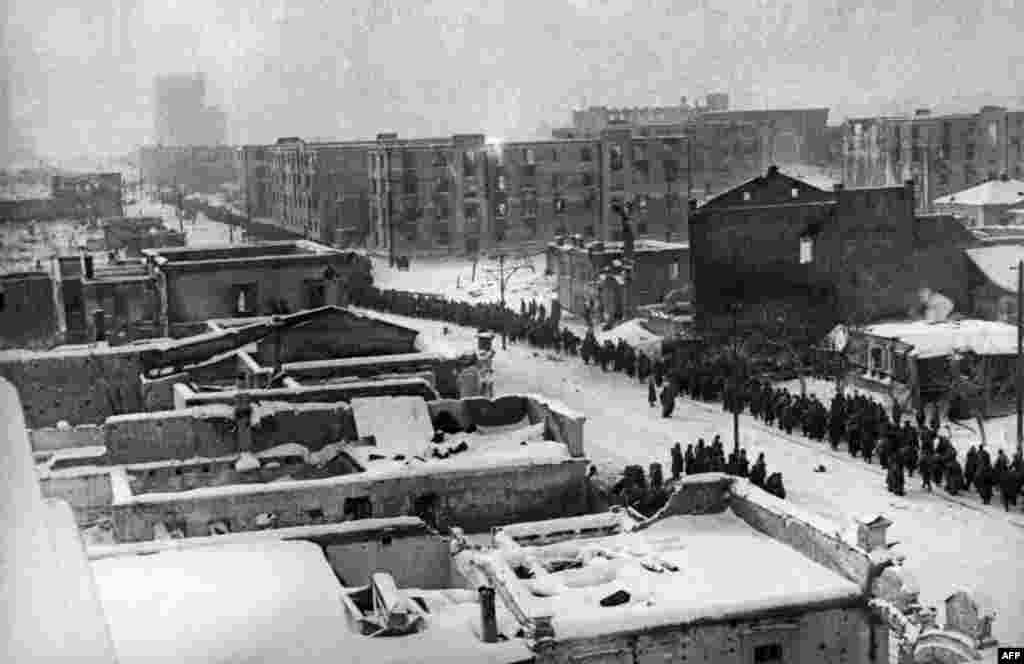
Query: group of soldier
pixel 869 431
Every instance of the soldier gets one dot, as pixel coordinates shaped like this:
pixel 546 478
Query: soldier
pixel 894 479
pixel 774 486
pixel 668 401
pixel 689 460
pixel 652 393
pixel 954 477
pixel 983 477
pixel 700 457
pixel 758 472
pixel 743 464
pixel 1008 486
pixel 677 459
pixel 927 470
pixel 970 467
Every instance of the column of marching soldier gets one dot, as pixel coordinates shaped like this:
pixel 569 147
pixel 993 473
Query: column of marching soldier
pixel 903 447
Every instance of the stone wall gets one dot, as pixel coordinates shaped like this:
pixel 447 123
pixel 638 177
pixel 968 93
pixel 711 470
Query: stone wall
pixel 48 439
pixel 184 397
pixel 418 561
pixel 209 431
pixel 28 311
pixel 805 533
pixel 473 500
pixel 89 494
pixel 809 636
pixel 445 369
pixel 80 385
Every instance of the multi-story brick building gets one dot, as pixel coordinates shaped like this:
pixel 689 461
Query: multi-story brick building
pixel 942 154
pixel 253 167
pixel 320 190
pixel 464 194
pixel 780 248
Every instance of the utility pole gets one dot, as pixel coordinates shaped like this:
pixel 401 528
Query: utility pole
pixel 1020 347
pixel 501 285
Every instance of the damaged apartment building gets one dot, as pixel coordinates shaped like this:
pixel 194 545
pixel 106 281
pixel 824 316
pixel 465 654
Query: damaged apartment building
pixel 941 154
pixel 146 293
pixel 597 588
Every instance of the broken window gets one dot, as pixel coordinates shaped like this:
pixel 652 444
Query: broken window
pixel 358 508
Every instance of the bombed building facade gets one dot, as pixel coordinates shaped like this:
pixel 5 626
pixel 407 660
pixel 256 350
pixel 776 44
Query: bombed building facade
pixel 941 154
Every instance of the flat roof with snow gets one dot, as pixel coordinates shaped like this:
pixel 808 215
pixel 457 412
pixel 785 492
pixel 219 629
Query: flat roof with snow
pixel 680 570
pixel 938 339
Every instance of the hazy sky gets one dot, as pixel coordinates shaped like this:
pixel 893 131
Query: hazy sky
pixel 81 72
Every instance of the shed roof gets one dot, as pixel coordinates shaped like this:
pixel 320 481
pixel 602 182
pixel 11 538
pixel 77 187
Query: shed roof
pixel 999 264
pixel 993 192
pixel 943 338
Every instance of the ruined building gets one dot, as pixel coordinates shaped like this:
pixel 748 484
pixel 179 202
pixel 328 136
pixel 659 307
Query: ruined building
pixel 942 154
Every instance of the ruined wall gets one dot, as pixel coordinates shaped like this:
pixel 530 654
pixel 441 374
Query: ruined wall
pixel 79 386
pixel 417 561
pixel 89 494
pixel 28 311
pixel 338 335
pixel 444 369
pixel 126 303
pixel 330 393
pixel 475 501
pixel 776 518
pixel 829 636
pixel 49 439
pixel 209 431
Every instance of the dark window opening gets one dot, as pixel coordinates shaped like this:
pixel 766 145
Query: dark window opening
pixel 244 299
pixel 358 508
pixel 315 514
pixel 641 227
pixel 586 154
pixel 616 158
pixel 3 300
pixel 771 652
pixel 426 508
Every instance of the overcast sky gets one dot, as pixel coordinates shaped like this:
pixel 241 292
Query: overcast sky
pixel 82 72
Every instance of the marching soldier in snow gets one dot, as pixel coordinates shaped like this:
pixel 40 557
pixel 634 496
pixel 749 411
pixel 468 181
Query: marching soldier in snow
pixel 927 470
pixel 954 477
pixel 652 393
pixel 677 459
pixel 758 472
pixel 774 486
pixel 668 400
pixel 689 459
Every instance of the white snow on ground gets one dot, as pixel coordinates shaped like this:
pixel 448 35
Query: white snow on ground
pixel 706 585
pixel 949 542
pixel 262 602
pixel 634 334
pixel 452 278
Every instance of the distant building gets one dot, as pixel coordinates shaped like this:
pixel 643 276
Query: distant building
pixel 180 114
pixel 89 195
pixel 31 311
pixel 197 168
pixel 778 251
pixel 463 194
pixel 991 203
pixel 255 180
pixel 992 273
pixel 321 191
pixel 588 276
pixel 942 154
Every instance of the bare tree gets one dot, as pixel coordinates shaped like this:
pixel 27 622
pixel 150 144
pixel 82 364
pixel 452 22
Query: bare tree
pixel 503 273
pixel 966 389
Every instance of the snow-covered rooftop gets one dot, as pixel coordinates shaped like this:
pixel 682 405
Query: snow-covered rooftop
pixel 706 572
pixel 272 601
pixel 993 192
pixel 265 601
pixel 943 338
pixel 999 264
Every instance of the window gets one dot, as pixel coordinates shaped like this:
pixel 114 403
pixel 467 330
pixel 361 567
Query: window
pixel 586 154
pixel 794 193
pixel 768 653
pixel 440 159
pixel 746 194
pixel 556 182
pixel 616 158
pixel 502 184
pixel 588 179
pixel 315 293
pixel 501 209
pixel 554 154
pixel 3 300
pixel 443 236
pixel 441 208
pixel 806 250
pixel 243 297
pixel 358 508
pixel 530 205
pixel 529 157
pixel 588 232
pixel 471 211
pixel 671 168
pixel 469 163
pixel 442 184
pixel 559 205
pixel 673 271
pixel 969 152
pixel 641 227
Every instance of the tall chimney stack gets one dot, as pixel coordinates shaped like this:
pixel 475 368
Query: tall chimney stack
pixel 488 615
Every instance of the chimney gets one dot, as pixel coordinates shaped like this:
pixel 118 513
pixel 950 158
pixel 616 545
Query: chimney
pixel 99 323
pixel 871 532
pixel 243 421
pixel 88 269
pixel 488 616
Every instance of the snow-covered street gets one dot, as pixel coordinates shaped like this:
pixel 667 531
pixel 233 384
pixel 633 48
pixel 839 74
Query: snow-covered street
pixel 949 542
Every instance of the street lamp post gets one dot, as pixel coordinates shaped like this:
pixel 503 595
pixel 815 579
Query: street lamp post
pixel 1020 347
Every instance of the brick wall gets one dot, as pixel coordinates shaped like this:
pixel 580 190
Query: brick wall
pixel 467 499
pixel 80 386
pixel 28 312
pixel 209 431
